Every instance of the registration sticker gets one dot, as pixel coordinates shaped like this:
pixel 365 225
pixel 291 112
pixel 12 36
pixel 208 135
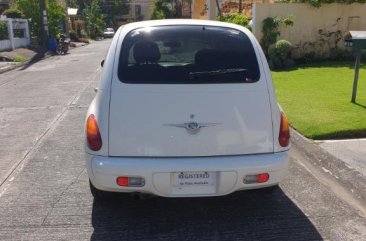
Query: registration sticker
pixel 194 182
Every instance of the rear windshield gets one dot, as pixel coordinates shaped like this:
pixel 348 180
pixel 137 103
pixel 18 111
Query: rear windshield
pixel 187 54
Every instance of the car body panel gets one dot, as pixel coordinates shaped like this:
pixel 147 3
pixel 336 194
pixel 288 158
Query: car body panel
pixel 244 139
pixel 150 126
pixel 157 172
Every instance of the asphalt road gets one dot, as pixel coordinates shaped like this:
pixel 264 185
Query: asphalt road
pixel 44 193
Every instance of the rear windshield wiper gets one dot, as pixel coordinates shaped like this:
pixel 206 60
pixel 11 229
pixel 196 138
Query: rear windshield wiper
pixel 200 74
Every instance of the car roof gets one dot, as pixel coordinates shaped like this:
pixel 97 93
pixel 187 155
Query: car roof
pixel 175 22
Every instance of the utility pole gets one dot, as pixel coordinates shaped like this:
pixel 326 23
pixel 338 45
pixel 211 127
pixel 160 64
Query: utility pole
pixel 44 21
pixel 218 8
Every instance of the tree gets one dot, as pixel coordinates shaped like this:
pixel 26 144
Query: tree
pixel 162 9
pixel 115 8
pixel 32 10
pixel 13 13
pixel 56 16
pixel 235 18
pixel 93 19
pixel 72 4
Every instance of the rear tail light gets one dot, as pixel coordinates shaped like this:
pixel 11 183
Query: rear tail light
pixel 125 181
pixel 93 137
pixel 257 178
pixel 263 177
pixel 284 136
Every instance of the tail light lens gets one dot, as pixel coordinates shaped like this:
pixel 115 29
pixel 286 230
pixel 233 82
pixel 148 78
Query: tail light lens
pixel 262 178
pixel 93 137
pixel 284 136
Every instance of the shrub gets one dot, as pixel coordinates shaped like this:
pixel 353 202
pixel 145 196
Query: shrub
pixel 271 30
pixel 3 30
pixel 83 33
pixel 279 55
pixel 13 13
pixel 19 58
pixel 73 36
pixel 283 48
pixel 272 52
pixel 235 18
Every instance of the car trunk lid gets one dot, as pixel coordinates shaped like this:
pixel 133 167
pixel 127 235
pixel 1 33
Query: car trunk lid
pixel 189 120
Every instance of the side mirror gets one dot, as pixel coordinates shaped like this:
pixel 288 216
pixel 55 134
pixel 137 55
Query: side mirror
pixel 102 63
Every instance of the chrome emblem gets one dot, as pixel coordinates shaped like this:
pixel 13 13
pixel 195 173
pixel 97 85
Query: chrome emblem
pixel 193 127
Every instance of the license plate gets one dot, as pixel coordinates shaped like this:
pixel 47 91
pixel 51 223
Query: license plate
pixel 194 182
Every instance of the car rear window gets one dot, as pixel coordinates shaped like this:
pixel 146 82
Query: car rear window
pixel 187 54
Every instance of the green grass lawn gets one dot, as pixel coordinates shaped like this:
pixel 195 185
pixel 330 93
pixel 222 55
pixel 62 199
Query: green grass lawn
pixel 317 100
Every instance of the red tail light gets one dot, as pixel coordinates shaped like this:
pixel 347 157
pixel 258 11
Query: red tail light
pixel 122 181
pixel 262 178
pixel 284 137
pixel 93 137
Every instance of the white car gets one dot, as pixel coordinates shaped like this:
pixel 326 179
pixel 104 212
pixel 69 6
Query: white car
pixel 185 108
pixel 108 33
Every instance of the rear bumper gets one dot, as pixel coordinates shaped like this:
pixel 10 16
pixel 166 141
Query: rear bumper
pixel 108 35
pixel 157 172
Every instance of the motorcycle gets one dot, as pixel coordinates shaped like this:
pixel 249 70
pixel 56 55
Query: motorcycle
pixel 62 45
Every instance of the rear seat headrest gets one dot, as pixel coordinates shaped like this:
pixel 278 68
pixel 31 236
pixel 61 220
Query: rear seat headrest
pixel 146 52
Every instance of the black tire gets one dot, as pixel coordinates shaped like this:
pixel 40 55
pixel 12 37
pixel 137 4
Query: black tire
pixel 59 50
pixel 99 194
pixel 64 50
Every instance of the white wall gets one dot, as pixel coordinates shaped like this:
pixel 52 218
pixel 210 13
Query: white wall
pixel 305 35
pixel 12 42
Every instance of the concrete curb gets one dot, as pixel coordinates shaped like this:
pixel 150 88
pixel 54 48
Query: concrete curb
pixel 11 65
pixel 337 169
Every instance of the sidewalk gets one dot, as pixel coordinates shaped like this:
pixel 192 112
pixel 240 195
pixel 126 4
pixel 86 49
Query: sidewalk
pixel 28 55
pixel 352 152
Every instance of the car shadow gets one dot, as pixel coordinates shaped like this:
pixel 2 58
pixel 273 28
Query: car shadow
pixel 250 215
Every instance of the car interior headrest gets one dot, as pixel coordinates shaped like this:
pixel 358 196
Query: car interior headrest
pixel 146 52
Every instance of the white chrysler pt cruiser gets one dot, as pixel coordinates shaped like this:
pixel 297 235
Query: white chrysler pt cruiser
pixel 185 108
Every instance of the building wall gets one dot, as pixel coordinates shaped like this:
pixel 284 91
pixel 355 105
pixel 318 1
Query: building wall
pixel 315 29
pixel 205 9
pixel 145 8
pixel 199 9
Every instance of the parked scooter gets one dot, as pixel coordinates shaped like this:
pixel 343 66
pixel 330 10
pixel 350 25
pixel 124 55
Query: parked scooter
pixel 62 45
